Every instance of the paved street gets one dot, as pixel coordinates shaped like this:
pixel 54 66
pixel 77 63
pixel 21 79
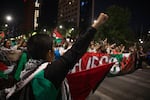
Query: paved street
pixel 133 86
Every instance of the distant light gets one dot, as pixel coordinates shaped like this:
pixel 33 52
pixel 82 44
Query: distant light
pixel 140 39
pixel 82 3
pixel 149 32
pixel 44 30
pixel 6 25
pixel 60 26
pixel 72 29
pixel 70 3
pixel 8 18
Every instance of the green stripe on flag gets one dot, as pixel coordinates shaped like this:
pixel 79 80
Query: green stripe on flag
pixel 118 57
pixel 2 75
pixel 58 40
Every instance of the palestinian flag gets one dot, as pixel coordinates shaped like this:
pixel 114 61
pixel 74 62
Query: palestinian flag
pixel 2 35
pixel 57 35
pixel 127 64
pixel 82 83
pixel 3 68
pixel 124 63
pixel 92 68
pixel 116 68
pixel 87 74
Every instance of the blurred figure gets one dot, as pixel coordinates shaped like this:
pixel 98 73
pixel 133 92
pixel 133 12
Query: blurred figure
pixel 140 57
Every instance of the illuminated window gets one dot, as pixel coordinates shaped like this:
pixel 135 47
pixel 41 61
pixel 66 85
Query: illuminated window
pixel 82 3
pixel 70 2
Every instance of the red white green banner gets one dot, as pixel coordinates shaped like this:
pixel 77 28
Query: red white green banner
pixel 92 68
pixel 90 71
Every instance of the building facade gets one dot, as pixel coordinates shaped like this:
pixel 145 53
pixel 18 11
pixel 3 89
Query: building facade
pixel 28 16
pixel 39 14
pixel 31 15
pixel 79 12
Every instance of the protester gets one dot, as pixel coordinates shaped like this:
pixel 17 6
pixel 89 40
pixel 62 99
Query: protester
pixel 11 50
pixel 12 56
pixel 140 56
pixel 47 83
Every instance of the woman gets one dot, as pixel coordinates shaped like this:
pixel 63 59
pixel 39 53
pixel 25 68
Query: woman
pixel 46 84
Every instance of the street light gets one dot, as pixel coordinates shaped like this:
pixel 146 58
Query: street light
pixel 8 18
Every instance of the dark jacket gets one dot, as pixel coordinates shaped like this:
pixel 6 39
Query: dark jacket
pixel 57 70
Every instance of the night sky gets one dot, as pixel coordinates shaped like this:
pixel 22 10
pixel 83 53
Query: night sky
pixel 140 19
pixel 139 9
pixel 13 8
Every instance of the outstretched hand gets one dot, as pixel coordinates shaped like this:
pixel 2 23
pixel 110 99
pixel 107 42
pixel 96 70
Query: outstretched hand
pixel 102 18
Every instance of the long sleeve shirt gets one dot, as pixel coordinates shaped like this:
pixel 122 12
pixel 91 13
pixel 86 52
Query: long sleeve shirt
pixel 57 70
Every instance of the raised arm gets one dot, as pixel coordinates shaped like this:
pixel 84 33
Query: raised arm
pixel 57 71
pixel 102 18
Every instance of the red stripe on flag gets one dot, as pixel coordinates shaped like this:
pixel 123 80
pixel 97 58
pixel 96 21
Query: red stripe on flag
pixel 57 34
pixel 82 83
pixel 3 67
pixel 2 34
pixel 128 64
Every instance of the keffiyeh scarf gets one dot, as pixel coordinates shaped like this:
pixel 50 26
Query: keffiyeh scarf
pixel 30 67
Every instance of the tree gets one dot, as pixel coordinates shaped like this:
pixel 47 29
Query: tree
pixel 117 29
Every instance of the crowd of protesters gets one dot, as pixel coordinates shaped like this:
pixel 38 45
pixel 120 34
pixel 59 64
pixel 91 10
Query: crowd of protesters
pixel 12 51
pixel 103 46
pixel 14 54
pixel 141 55
pixel 42 77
